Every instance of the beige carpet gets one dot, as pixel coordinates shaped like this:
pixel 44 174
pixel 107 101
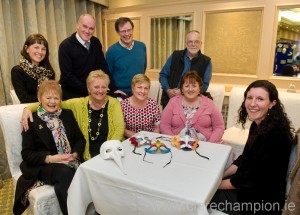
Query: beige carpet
pixel 6 197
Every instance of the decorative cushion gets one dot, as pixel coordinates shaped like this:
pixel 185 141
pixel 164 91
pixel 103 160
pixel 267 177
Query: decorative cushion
pixel 218 93
pixel 236 138
pixel 154 90
pixel 14 97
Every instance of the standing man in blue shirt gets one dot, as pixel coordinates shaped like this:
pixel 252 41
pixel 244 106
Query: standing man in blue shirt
pixel 125 58
pixel 182 61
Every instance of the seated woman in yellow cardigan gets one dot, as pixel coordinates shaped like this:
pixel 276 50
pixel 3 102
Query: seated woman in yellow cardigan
pixel 99 116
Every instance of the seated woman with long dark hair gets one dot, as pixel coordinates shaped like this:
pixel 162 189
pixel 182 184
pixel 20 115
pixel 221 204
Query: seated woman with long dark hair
pixel 256 182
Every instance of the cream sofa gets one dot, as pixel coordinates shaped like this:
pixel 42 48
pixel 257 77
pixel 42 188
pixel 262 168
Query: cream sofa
pixel 42 199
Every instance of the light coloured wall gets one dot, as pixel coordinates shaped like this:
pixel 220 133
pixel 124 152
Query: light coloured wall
pixel 225 36
pixel 113 37
pixel 128 3
pixel 199 9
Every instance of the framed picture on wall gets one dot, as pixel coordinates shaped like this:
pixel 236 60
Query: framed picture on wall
pixel 232 40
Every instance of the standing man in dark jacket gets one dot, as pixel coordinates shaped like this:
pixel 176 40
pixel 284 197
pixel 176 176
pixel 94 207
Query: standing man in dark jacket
pixel 182 61
pixel 78 55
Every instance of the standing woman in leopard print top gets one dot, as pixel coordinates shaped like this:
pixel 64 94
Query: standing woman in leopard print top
pixel 34 67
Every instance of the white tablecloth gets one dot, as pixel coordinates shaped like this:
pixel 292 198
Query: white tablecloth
pixel 184 186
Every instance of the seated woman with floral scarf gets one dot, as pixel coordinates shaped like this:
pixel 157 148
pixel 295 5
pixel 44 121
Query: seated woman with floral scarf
pixel 52 149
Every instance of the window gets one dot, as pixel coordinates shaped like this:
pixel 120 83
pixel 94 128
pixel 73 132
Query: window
pixel 167 35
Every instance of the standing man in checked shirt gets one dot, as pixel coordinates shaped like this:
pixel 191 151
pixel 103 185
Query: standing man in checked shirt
pixel 182 61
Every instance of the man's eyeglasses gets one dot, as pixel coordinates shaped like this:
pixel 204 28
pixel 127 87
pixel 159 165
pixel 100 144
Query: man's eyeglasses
pixel 125 31
pixel 191 42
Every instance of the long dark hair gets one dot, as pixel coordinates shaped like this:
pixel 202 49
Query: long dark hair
pixel 276 115
pixel 40 39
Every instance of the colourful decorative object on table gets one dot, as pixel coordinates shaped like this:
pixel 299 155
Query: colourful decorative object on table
pixel 186 143
pixel 158 146
pixel 139 140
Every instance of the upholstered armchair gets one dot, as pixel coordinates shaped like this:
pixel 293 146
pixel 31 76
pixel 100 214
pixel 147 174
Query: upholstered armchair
pixel 42 199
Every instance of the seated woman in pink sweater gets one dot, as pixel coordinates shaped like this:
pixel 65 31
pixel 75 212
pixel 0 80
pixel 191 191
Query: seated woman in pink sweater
pixel 194 109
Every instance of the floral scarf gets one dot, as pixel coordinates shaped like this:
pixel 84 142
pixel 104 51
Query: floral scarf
pixel 36 72
pixel 189 113
pixel 61 140
pixel 59 133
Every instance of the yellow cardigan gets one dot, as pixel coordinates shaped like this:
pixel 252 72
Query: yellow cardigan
pixel 80 110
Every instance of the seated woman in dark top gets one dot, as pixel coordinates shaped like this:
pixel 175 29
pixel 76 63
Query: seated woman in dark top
pixel 52 149
pixel 33 67
pixel 256 182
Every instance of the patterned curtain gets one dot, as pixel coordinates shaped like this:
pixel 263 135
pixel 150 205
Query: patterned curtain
pixel 55 19
pixel 167 35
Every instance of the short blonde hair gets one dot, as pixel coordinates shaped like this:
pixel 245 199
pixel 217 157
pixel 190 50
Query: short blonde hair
pixel 97 74
pixel 140 78
pixel 48 86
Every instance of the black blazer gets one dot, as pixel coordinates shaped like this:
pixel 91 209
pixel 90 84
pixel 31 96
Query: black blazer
pixel 37 143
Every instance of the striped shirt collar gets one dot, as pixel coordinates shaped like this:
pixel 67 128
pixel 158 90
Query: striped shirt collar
pixel 123 45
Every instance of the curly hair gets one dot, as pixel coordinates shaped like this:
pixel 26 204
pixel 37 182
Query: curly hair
pixel 276 115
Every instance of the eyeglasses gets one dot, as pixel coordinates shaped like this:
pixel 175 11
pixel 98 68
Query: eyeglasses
pixel 126 31
pixel 191 42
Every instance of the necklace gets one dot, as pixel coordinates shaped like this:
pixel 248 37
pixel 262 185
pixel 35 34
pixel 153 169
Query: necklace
pixel 99 123
pixel 191 106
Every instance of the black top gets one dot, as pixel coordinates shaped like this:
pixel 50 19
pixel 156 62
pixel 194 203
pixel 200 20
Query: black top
pixel 262 168
pixel 103 130
pixel 76 62
pixel 25 86
pixel 37 143
pixel 198 63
